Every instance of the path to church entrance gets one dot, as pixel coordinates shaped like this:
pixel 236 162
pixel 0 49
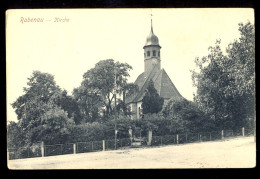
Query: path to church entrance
pixel 232 153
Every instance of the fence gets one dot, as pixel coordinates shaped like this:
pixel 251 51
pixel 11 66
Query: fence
pixel 58 149
pixel 84 147
pixel 24 153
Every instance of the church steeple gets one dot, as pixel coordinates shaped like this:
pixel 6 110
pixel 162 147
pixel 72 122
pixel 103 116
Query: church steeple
pixel 152 39
pixel 151 25
pixel 151 51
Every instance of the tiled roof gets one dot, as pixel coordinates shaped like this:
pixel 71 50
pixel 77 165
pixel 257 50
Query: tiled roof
pixel 162 84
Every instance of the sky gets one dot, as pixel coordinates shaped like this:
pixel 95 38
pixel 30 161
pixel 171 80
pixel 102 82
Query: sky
pixel 69 48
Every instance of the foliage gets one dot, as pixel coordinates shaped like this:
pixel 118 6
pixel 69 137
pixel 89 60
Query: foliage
pixel 89 102
pixel 87 132
pixel 68 104
pixel 53 128
pixel 94 131
pixel 152 102
pixel 225 83
pixel 41 86
pixel 40 113
pixel 157 123
pixel 185 116
pixel 129 89
pixel 99 86
pixel 241 53
pixel 15 136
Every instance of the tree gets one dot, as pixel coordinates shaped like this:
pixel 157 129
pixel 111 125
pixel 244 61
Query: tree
pixel 99 82
pixel 15 135
pixel 68 104
pixel 41 86
pixel 225 83
pixel 129 90
pixel 241 53
pixel 39 114
pixel 185 116
pixel 152 102
pixel 89 102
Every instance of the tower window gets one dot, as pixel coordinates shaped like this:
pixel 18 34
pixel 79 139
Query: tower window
pixel 158 53
pixel 148 53
pixel 154 53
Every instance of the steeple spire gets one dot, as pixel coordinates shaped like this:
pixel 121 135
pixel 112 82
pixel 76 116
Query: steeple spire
pixel 151 21
pixel 152 39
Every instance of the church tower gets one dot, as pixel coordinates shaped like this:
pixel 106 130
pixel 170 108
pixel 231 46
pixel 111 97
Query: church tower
pixel 152 71
pixel 151 52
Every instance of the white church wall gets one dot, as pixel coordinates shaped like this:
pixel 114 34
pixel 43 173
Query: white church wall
pixel 133 109
pixel 139 109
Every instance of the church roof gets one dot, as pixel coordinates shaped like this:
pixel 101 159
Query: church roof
pixel 162 84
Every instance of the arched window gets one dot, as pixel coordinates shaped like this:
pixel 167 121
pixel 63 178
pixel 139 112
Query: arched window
pixel 154 53
pixel 158 53
pixel 148 53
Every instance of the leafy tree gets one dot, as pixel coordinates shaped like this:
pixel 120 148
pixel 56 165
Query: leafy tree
pixel 53 126
pixel 41 86
pixel 185 116
pixel 89 102
pixel 39 114
pixel 225 83
pixel 68 104
pixel 151 102
pixel 15 136
pixel 241 54
pixel 99 83
pixel 129 90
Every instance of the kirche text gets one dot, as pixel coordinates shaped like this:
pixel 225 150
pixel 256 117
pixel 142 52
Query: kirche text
pixel 58 19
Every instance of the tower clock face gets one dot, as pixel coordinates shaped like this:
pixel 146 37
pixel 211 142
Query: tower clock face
pixel 154 61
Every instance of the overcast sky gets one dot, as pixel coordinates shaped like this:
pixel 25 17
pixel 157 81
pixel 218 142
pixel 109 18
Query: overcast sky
pixel 68 49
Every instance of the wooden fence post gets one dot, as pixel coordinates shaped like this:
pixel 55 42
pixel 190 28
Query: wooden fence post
pixel 92 146
pixel 104 145
pixel 42 148
pixel 222 134
pixel 177 138
pixel 186 137
pixel 74 148
pixel 61 149
pixel 210 136
pixel 150 133
pixel 161 140
pixel 243 131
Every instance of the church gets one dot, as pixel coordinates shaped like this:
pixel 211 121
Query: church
pixel 152 70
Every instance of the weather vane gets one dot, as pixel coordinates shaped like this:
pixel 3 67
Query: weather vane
pixel 151 20
pixel 151 15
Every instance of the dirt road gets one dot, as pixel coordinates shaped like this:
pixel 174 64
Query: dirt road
pixel 232 153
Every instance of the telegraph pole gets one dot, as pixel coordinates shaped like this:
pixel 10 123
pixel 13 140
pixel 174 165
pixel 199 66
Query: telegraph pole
pixel 115 112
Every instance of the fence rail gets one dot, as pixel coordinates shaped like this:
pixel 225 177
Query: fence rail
pixel 84 147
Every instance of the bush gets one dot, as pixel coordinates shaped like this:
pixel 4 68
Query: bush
pixel 101 131
pixel 87 132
